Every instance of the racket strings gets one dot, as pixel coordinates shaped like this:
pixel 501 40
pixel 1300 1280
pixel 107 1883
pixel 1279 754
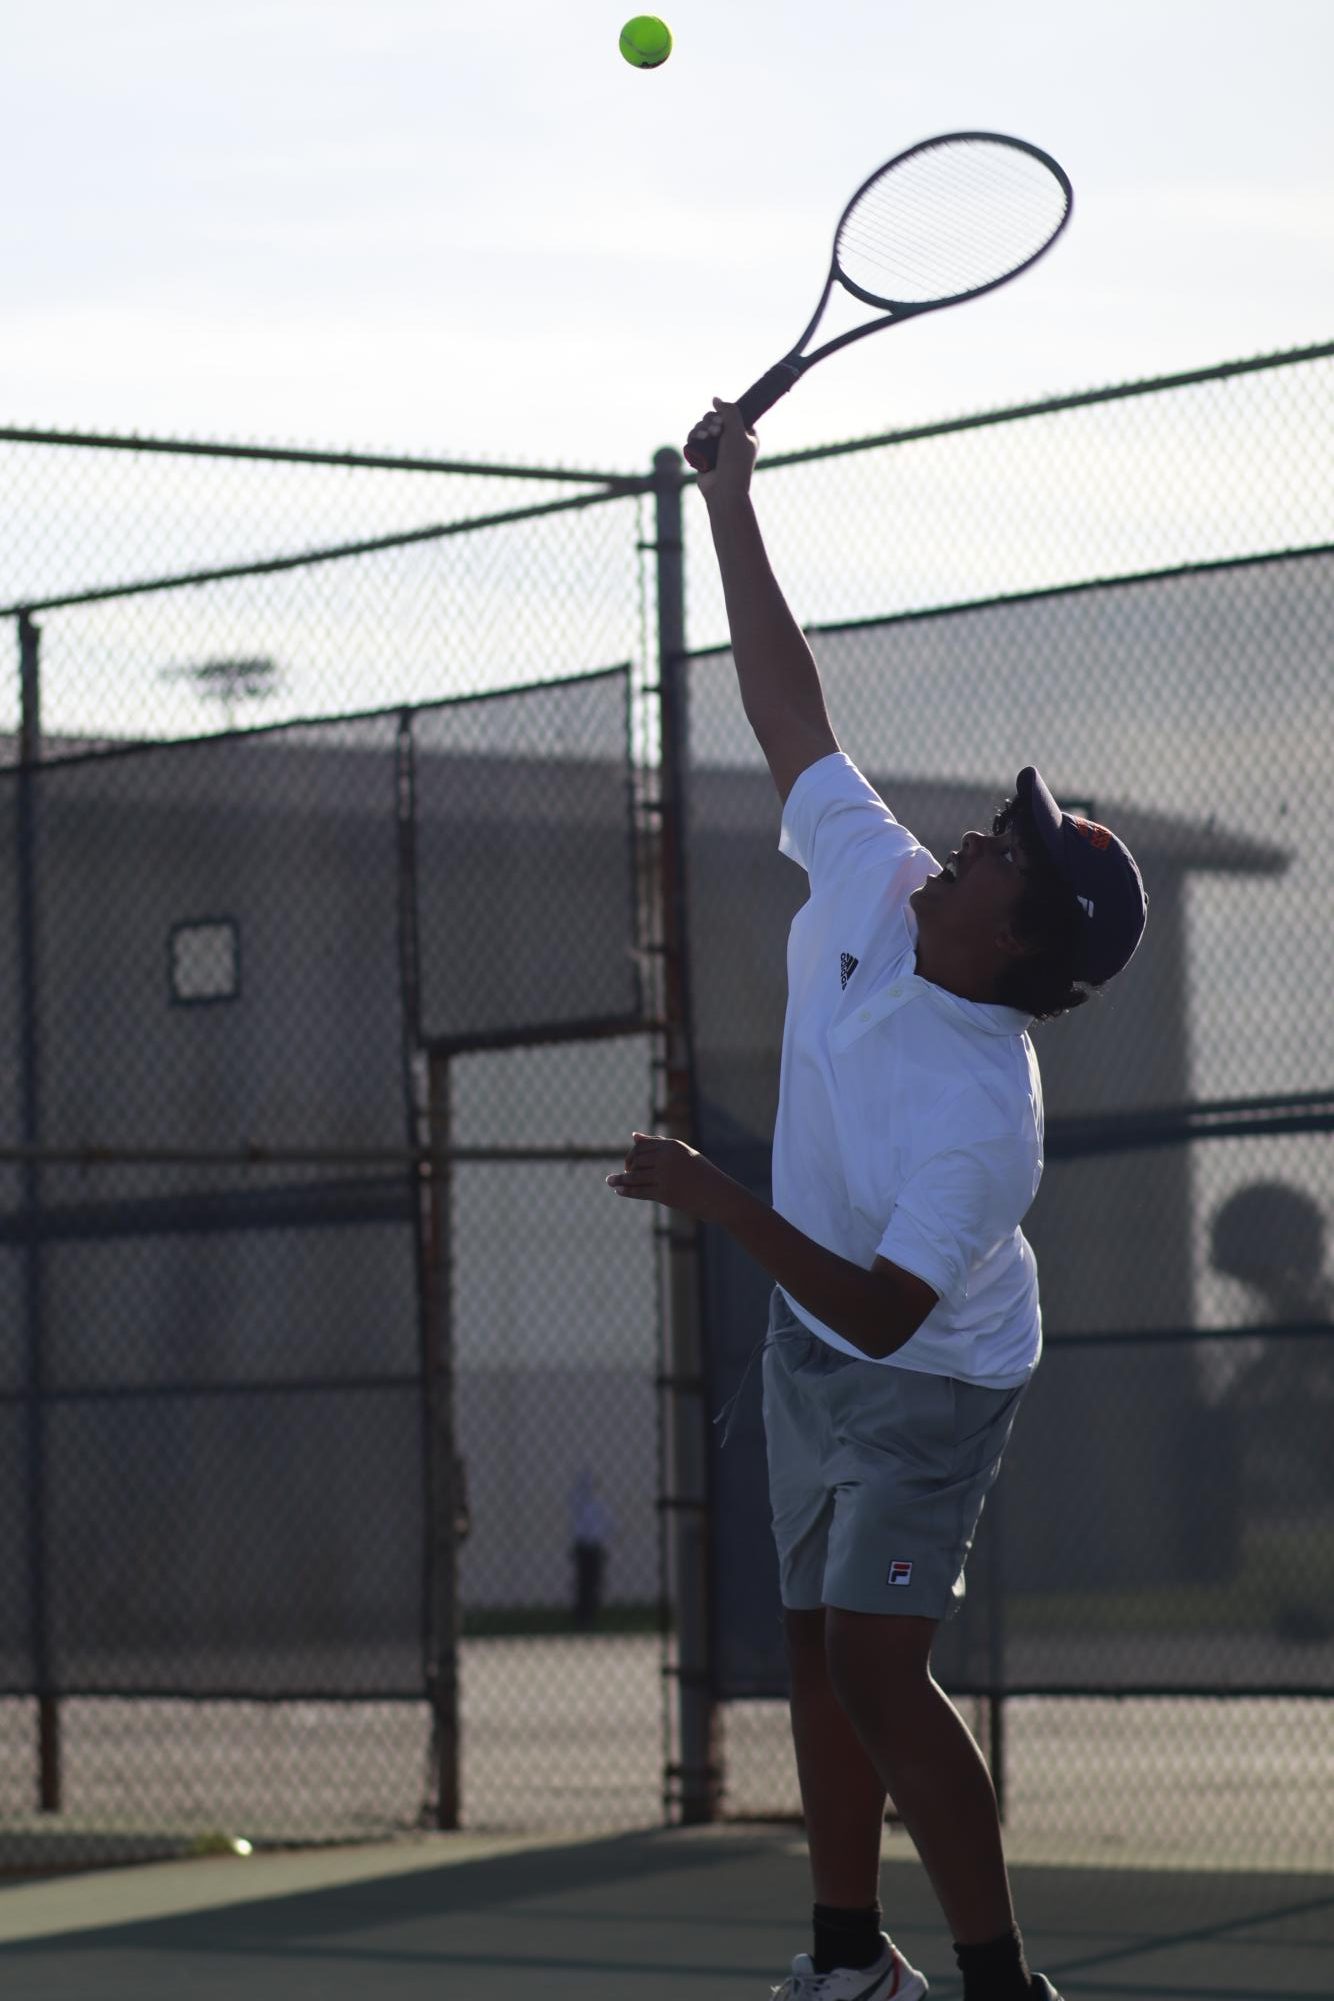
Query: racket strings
pixel 945 236
pixel 948 220
pixel 953 218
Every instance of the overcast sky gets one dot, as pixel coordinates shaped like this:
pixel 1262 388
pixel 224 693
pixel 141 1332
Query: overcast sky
pixel 471 229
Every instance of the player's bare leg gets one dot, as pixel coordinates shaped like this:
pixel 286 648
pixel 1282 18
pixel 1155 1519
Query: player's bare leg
pixel 842 1795
pixel 927 1761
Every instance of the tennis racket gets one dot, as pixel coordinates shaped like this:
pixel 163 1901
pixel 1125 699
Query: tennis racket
pixel 951 218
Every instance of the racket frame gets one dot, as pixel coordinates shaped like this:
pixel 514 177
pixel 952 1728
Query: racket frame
pixel 776 381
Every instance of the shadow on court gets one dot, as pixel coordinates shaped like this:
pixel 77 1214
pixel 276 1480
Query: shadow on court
pixel 667 1916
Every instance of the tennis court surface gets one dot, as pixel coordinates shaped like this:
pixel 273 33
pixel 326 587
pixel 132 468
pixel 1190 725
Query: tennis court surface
pixel 672 1915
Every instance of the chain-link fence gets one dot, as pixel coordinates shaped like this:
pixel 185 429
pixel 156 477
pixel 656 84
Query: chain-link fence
pixel 183 589
pixel 318 1337
pixel 340 1488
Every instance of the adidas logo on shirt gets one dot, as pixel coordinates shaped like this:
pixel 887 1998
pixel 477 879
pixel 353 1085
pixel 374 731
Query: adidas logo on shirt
pixel 847 966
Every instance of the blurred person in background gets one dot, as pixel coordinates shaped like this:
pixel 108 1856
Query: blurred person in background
pixel 591 1531
pixel 1271 1238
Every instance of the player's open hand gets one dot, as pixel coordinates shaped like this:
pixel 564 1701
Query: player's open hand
pixel 737 447
pixel 668 1171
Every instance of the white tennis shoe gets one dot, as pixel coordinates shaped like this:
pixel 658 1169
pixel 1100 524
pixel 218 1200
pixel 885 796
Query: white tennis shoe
pixel 889 1979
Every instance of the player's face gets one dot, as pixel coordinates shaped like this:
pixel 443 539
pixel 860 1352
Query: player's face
pixel 975 894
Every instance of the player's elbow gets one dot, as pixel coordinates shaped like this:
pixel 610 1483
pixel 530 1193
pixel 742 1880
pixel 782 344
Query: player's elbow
pixel 900 1302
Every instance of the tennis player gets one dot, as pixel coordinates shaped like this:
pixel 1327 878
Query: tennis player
pixel 904 1322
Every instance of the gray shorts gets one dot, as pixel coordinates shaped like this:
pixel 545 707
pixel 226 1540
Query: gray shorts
pixel 877 1476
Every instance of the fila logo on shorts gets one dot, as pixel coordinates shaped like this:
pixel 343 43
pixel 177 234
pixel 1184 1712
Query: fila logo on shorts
pixel 899 1573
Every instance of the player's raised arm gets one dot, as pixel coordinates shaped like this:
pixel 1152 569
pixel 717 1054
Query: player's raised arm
pixel 780 683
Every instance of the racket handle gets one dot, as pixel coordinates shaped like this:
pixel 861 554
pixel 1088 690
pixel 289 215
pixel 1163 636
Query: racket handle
pixel 761 396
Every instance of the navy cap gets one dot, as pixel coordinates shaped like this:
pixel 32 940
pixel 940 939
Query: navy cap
pixel 1100 870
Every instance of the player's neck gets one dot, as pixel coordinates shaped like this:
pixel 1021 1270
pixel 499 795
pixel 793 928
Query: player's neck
pixel 958 973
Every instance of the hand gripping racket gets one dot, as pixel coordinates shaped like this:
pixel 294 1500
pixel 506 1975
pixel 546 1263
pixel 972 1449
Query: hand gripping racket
pixel 949 219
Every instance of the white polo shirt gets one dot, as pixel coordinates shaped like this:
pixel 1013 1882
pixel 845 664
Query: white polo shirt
pixel 909 1120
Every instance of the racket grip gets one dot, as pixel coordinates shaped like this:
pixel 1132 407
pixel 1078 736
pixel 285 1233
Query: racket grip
pixel 761 396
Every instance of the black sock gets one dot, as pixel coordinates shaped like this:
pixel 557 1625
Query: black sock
pixel 997 1971
pixel 847 1938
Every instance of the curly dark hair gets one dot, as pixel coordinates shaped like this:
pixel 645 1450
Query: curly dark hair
pixel 1048 922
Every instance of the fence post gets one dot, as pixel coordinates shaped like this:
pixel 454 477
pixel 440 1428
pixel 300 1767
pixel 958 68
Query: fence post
pixel 996 1647
pixel 700 1769
pixel 426 1105
pixel 442 1496
pixel 30 752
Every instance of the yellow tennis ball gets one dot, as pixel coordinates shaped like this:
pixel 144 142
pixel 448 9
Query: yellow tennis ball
pixel 646 41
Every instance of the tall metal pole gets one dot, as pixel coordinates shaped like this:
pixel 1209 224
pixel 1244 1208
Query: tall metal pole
pixel 996 1648
pixel 443 1499
pixel 426 1104
pixel 30 752
pixel 699 1774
